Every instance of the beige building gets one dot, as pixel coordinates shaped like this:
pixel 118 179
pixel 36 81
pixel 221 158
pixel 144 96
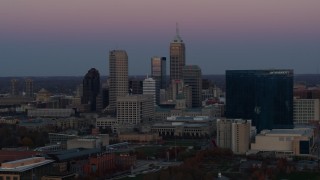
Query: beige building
pixel 134 109
pixel 118 69
pixel 284 141
pixel 234 134
pixel 139 138
pixel 51 112
pixel 107 122
pixel 72 123
pixel 177 57
pixel 184 127
pixel 305 110
pixel 30 168
pixel 43 96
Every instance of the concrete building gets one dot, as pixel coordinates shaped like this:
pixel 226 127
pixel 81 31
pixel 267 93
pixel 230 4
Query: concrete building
pixel 150 87
pixel 158 71
pixel 177 57
pixel 192 76
pixel 284 141
pixel 234 134
pixel 51 112
pixel 305 110
pixel 84 142
pixel 139 138
pixel 14 87
pixel 134 109
pixel 43 95
pixel 193 127
pixel 107 123
pixel 30 168
pixel 118 69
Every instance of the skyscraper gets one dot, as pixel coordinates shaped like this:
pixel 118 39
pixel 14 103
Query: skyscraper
pixel 150 88
pixel 14 87
pixel 118 69
pixel 91 88
pixel 177 57
pixel 265 96
pixel 29 87
pixel 191 75
pixel 158 71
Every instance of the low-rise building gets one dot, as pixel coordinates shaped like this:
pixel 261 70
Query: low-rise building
pixel 284 141
pixel 234 134
pixel 29 168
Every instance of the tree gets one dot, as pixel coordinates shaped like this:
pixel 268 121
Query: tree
pixel 26 141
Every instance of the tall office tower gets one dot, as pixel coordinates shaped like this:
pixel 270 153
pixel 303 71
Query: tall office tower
pixel 14 87
pixel 29 87
pixel 150 88
pixel 177 57
pixel 191 75
pixel 91 88
pixel 134 109
pixel 118 69
pixel 158 71
pixel 265 96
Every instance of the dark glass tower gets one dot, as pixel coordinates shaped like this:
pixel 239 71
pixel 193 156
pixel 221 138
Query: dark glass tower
pixel 158 71
pixel 91 88
pixel 265 96
pixel 192 77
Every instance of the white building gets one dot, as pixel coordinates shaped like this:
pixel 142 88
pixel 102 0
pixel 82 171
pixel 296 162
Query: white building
pixel 284 141
pixel 151 88
pixel 305 110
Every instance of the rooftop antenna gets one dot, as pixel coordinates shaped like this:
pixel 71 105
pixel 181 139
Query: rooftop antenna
pixel 177 29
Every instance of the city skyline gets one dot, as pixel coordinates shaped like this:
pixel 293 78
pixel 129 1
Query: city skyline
pixel 61 38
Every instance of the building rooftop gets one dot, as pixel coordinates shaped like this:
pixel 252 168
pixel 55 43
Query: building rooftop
pixel 19 166
pixel 73 153
pixel 285 132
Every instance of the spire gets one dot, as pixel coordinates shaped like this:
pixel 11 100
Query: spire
pixel 177 38
pixel 177 29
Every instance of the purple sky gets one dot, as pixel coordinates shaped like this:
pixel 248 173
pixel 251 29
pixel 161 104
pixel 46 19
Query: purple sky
pixel 68 37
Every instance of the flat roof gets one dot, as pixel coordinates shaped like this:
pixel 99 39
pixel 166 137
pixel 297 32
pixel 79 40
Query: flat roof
pixel 297 131
pixel 25 167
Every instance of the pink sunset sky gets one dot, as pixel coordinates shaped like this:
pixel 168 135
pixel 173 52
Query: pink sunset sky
pixel 43 35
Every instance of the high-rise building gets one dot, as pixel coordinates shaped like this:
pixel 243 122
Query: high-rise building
pixel 14 87
pixel 234 134
pixel 191 75
pixel 265 96
pixel 118 69
pixel 29 87
pixel 150 88
pixel 134 109
pixel 177 57
pixel 158 71
pixel 91 88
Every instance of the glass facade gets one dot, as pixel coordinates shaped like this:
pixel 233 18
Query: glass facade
pixel 264 96
pixel 158 71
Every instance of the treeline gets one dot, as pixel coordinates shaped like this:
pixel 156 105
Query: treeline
pixel 12 136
